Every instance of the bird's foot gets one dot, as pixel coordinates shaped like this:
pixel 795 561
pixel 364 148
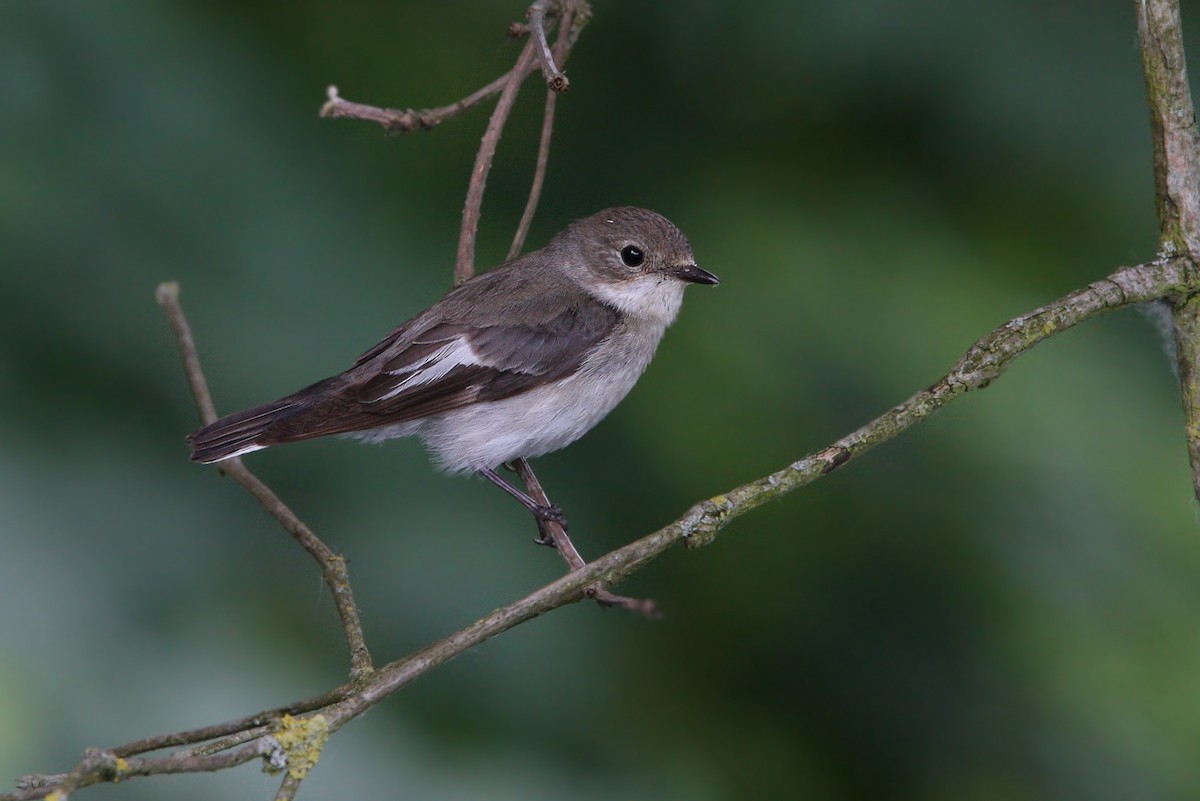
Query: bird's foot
pixel 551 514
pixel 548 514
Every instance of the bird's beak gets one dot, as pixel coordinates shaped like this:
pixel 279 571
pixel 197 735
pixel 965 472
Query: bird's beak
pixel 695 275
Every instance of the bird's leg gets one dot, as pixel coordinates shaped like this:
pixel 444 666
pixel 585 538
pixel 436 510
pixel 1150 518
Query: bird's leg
pixel 549 533
pixel 556 535
pixel 540 511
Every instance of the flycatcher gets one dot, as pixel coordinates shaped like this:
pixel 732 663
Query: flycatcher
pixel 515 363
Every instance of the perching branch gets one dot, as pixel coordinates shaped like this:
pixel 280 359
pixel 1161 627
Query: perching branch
pixel 553 533
pixel 1177 188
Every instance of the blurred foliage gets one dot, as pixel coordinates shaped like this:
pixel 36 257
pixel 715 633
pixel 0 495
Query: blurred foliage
pixel 1001 604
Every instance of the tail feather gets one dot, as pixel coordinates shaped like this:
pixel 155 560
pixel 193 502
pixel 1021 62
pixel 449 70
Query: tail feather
pixel 317 410
pixel 241 432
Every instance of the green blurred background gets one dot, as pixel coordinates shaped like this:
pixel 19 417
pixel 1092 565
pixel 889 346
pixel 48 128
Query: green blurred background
pixel 1002 604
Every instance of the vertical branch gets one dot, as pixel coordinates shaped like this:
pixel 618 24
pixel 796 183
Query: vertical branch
pixel 464 265
pixel 1172 124
pixel 539 177
pixel 1177 187
pixel 167 296
pixel 1186 316
pixel 543 156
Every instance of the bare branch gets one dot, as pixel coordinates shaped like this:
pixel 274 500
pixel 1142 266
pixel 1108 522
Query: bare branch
pixel 1177 188
pixel 555 80
pixel 1185 313
pixel 539 177
pixel 555 534
pixel 575 14
pixel 98 767
pixel 396 121
pixel 289 787
pixel 561 50
pixel 167 296
pixel 1172 124
pixel 333 566
pixel 464 264
pixel 233 727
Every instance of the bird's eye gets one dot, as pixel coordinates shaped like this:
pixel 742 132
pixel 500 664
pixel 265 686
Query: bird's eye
pixel 632 256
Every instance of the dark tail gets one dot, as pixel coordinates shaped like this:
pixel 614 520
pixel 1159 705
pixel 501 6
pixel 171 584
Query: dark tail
pixel 312 412
pixel 241 432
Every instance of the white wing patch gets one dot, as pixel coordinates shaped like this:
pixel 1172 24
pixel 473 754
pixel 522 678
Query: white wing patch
pixel 456 352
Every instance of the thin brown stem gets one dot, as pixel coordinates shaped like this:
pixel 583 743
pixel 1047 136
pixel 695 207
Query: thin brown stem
pixel 464 265
pixel 556 534
pixel 398 121
pixel 1173 127
pixel 543 155
pixel 1185 315
pixel 552 531
pixel 555 80
pixel 289 787
pixel 232 741
pixel 98 767
pixel 233 727
pixel 539 178
pixel 1176 141
pixel 333 566
pixel 167 296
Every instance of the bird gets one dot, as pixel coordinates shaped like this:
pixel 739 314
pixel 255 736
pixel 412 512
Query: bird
pixel 516 362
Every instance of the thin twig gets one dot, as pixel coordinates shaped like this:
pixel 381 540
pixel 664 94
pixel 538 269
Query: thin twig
pixel 556 534
pixel 464 264
pixel 397 121
pixel 167 296
pixel 1185 315
pixel 555 80
pixel 98 767
pixel 539 177
pixel 1177 188
pixel 333 566
pixel 289 786
pixel 543 155
pixel 255 721
pixel 232 741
